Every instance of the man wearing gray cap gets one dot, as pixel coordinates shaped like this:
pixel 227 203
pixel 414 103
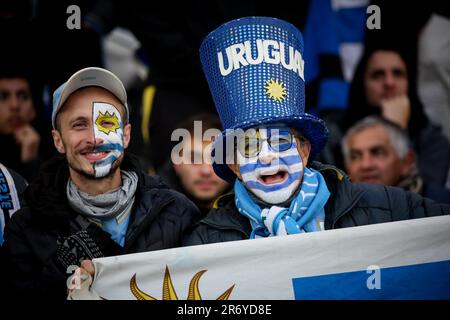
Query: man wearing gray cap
pixel 92 201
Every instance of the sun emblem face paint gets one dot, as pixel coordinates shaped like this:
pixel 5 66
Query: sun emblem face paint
pixel 274 173
pixel 107 123
pixel 108 127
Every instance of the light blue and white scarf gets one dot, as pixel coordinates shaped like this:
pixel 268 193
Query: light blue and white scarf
pixel 9 198
pixel 305 214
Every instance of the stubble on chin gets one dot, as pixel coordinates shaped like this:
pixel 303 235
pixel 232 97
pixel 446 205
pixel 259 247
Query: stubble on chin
pixel 91 175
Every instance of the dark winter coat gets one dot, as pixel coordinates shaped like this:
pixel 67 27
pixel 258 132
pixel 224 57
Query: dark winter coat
pixel 32 238
pixel 349 205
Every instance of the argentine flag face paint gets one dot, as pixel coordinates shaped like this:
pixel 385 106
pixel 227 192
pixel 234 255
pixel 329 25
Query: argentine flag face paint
pixel 108 126
pixel 273 176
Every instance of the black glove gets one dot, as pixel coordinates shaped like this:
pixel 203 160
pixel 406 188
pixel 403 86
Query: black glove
pixel 76 248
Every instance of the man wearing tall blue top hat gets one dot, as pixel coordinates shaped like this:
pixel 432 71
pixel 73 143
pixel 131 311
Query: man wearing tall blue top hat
pixel 255 71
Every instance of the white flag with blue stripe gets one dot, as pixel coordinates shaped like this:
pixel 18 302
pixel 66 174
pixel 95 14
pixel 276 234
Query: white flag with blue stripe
pixel 399 260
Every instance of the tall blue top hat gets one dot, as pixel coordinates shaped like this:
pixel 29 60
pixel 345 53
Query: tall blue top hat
pixel 255 71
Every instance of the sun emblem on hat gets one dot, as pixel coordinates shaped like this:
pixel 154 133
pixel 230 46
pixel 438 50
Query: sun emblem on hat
pixel 275 90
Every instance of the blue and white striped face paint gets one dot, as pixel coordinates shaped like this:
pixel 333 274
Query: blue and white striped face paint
pixel 273 176
pixel 108 126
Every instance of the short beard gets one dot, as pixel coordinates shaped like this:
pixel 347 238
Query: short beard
pixel 91 176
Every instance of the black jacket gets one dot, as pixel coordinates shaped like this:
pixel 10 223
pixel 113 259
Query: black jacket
pixel 349 205
pixel 158 220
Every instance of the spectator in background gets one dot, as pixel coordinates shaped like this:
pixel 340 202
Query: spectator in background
pixel 197 181
pixel 20 137
pixel 378 151
pixel 383 86
pixel 336 35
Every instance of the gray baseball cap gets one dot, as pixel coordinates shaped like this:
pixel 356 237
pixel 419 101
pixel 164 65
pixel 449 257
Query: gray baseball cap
pixel 89 77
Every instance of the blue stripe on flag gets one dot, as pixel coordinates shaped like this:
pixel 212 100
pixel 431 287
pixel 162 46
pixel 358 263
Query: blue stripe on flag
pixel 421 281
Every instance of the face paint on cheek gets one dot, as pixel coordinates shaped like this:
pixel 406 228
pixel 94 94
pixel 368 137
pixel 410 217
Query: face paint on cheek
pixel 273 182
pixel 108 127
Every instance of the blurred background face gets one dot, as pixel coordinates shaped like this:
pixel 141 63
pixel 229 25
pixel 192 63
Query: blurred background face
pixel 16 104
pixel 372 158
pixel 385 77
pixel 199 180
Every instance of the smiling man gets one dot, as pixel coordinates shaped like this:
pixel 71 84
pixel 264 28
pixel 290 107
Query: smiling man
pixel 92 201
pixel 269 142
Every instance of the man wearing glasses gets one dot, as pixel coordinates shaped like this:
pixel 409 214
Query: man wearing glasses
pixel 254 68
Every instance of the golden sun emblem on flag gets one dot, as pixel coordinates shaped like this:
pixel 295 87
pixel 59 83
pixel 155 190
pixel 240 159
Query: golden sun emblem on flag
pixel 168 292
pixel 107 122
pixel 275 90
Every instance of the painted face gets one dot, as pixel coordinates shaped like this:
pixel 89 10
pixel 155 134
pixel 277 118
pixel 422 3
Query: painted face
pixel 108 127
pixel 270 164
pixel 91 133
